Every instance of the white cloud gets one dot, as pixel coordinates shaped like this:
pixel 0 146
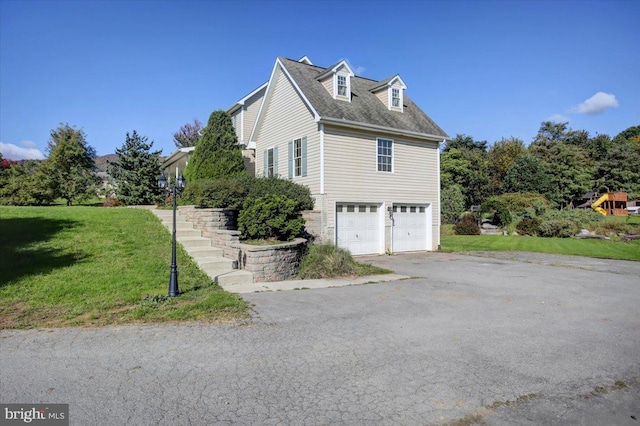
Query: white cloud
pixel 15 152
pixel 29 144
pixel 558 118
pixel 359 70
pixel 597 104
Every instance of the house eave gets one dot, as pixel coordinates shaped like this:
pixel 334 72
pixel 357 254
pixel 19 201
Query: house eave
pixel 179 153
pixel 366 126
pixel 241 102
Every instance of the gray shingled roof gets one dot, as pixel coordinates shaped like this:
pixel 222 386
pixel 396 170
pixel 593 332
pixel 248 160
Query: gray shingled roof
pixel 365 107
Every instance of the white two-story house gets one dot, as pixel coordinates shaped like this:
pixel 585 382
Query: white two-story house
pixel 368 154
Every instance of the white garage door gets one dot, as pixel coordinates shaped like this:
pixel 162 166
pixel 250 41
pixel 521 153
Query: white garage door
pixel 359 227
pixel 411 227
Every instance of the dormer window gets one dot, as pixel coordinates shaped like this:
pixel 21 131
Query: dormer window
pixel 391 92
pixel 337 80
pixel 342 85
pixel 395 97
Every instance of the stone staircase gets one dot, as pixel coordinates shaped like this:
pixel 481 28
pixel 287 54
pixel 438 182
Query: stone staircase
pixel 222 270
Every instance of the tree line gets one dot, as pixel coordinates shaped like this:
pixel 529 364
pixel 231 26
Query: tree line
pixel 69 172
pixel 561 164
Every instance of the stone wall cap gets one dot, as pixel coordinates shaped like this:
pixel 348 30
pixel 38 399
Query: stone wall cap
pixel 284 245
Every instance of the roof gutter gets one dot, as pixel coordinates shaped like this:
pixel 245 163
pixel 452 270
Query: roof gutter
pixel 179 153
pixel 366 126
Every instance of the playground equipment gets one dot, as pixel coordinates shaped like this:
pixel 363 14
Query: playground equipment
pixel 612 204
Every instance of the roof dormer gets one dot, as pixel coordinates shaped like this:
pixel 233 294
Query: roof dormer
pixel 337 80
pixel 391 92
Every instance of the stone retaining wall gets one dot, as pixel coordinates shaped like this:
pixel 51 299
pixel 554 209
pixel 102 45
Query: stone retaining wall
pixel 211 218
pixel 268 263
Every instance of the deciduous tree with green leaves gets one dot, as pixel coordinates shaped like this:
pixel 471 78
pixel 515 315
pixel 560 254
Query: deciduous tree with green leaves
pixel 217 154
pixel 468 169
pixel 136 171
pixel 527 174
pixel 571 170
pixel 501 157
pixel 70 164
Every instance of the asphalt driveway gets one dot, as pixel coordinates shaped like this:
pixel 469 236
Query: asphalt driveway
pixel 469 339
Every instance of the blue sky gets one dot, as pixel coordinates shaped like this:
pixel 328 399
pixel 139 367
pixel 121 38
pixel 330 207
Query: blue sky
pixel 485 69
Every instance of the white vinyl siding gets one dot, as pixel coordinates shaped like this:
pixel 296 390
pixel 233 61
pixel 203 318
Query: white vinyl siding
pixel 285 118
pixel 328 84
pixel 350 176
pixel 383 95
pixel 236 120
pixel 251 108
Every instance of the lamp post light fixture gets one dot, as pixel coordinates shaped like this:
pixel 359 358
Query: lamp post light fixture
pixel 174 189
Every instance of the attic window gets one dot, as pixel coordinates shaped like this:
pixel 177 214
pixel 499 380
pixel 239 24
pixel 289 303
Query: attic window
pixel 395 97
pixel 342 85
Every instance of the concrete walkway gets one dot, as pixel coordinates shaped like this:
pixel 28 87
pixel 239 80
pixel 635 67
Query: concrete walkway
pixel 224 272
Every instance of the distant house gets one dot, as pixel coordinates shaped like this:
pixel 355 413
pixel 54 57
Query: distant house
pixel 368 153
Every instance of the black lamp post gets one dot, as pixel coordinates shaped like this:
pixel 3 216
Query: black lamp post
pixel 174 189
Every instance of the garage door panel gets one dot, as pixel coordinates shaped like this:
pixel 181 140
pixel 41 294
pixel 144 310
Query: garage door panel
pixel 358 227
pixel 411 227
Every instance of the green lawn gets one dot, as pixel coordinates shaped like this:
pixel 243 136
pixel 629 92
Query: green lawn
pixel 607 249
pixel 87 265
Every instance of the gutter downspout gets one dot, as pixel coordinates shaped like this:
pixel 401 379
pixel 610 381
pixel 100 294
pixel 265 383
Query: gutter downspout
pixel 242 125
pixel 439 197
pixel 321 159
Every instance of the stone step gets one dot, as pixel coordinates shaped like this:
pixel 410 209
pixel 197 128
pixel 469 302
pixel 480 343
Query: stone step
pixel 205 252
pixel 189 242
pixel 229 279
pixel 221 265
pixel 185 233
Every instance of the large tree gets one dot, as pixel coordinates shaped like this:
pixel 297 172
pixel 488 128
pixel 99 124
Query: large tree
pixel 217 153
pixel 570 170
pixel 25 183
pixel 527 174
pixel 136 171
pixel 501 157
pixel 188 135
pixel 630 134
pixel 462 141
pixel 468 169
pixel 70 164
pixel 619 170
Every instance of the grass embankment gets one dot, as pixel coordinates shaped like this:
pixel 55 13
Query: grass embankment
pixel 606 249
pixel 80 266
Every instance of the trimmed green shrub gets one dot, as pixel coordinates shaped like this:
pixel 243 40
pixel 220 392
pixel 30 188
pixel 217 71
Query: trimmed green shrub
pixel 259 187
pixel 215 193
pixel 326 261
pixel 560 227
pixel 499 210
pixel 467 225
pixel 521 204
pixel 270 217
pixel 528 226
